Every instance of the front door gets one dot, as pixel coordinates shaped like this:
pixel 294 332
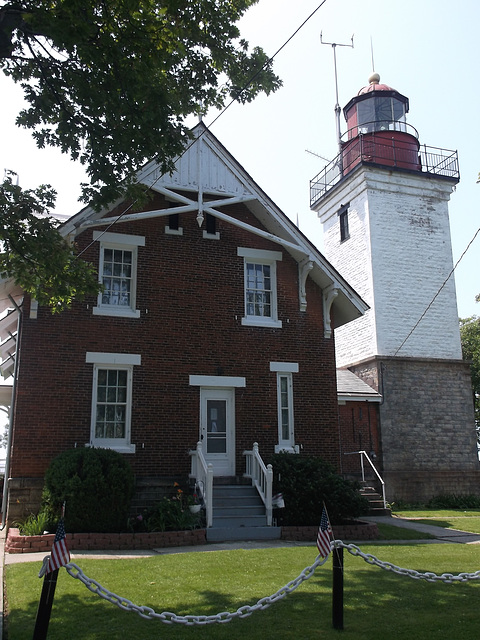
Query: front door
pixel 217 429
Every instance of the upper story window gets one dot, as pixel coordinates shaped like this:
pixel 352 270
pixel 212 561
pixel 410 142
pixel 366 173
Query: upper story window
pixel 260 287
pixel 343 219
pixel 118 274
pixel 112 400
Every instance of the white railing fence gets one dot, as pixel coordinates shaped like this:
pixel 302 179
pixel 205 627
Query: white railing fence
pixel 202 473
pixel 261 476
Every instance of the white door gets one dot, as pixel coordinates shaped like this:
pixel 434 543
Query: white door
pixel 217 429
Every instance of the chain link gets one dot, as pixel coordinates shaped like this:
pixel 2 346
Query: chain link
pixel 428 576
pixel 243 612
pixel 169 618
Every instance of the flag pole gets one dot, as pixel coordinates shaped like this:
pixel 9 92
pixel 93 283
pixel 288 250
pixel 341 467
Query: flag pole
pixel 45 605
pixel 337 581
pixel 59 557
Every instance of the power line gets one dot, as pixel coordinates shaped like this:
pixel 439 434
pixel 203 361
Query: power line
pixel 439 291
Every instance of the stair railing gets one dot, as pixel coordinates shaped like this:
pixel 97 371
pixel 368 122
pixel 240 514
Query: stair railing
pixel 203 475
pixel 262 478
pixel 365 454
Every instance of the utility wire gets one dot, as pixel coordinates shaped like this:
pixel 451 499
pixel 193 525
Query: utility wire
pixel 232 101
pixel 439 291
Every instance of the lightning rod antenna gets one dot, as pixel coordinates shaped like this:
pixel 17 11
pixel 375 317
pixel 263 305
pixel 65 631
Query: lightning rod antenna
pixel 334 46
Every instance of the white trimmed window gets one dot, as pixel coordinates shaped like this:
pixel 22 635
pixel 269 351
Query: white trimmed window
pixel 286 424
pixel 112 400
pixel 260 287
pixel 118 274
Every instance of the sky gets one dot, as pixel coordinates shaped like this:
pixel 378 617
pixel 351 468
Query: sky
pixel 428 50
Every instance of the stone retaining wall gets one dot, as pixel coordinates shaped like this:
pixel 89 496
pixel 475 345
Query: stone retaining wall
pixel 17 543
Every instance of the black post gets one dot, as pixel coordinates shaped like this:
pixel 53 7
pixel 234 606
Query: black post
pixel 337 588
pixel 45 605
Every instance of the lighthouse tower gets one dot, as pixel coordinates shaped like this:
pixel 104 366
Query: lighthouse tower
pixel 383 204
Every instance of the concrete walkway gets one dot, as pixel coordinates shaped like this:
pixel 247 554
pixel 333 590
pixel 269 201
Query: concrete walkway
pixel 439 533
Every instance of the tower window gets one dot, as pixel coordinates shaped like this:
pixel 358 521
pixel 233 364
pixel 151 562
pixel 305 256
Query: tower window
pixel 343 219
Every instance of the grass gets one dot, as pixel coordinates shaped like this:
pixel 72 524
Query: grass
pixel 378 604
pixel 447 518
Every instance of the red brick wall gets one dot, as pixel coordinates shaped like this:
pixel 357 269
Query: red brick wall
pixel 193 290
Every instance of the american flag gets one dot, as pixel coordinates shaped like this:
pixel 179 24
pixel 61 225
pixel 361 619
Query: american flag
pixel 323 536
pixel 60 555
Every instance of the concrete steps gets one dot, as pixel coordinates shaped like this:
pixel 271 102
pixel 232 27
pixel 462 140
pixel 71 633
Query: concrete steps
pixel 375 501
pixel 239 514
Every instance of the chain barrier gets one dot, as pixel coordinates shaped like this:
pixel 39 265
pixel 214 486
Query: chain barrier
pixel 189 620
pixel 243 612
pixel 428 576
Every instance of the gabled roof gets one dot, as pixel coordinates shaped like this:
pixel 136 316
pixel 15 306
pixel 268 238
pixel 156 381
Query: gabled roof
pixel 207 170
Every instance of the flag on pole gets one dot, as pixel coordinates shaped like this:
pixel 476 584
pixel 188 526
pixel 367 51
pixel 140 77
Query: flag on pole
pixel 323 536
pixel 60 555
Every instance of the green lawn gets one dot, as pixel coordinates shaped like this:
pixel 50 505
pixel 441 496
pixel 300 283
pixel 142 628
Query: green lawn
pixel 378 604
pixel 447 518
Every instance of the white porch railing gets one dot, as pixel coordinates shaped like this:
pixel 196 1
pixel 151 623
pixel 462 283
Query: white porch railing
pixel 203 475
pixel 262 478
pixel 365 454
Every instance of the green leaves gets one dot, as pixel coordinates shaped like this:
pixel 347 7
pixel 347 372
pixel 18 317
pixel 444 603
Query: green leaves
pixel 112 83
pixel 33 252
pixel 470 337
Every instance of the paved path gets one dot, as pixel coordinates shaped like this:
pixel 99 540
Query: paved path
pixel 440 534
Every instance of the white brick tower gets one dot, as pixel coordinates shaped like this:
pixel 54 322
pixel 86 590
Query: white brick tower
pixel 383 204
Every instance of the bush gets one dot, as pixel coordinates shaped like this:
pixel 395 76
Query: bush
pixel 170 514
pixel 306 482
pixel 96 486
pixel 33 525
pixel 454 501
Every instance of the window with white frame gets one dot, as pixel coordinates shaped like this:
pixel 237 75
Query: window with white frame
pixel 260 287
pixel 118 274
pixel 112 400
pixel 286 426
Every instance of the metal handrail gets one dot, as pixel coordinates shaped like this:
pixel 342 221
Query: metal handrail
pixel 261 476
pixel 203 475
pixel 362 454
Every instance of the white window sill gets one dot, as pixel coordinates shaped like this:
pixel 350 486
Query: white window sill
pixel 287 448
pixel 121 448
pixel 116 312
pixel 251 321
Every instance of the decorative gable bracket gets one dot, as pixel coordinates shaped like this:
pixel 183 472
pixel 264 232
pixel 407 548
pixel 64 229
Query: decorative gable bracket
pixel 304 268
pixel 329 295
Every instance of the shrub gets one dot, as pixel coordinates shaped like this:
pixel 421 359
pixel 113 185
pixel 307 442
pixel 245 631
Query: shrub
pixel 170 514
pixel 33 525
pixel 306 482
pixel 96 486
pixel 454 501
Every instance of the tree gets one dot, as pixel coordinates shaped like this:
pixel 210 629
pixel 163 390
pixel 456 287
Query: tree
pixel 34 253
pixel 112 82
pixel 470 337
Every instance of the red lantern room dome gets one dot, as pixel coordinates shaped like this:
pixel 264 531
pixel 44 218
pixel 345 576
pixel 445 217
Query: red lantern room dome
pixel 374 85
pixel 377 130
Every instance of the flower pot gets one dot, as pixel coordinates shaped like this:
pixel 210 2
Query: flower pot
pixel 195 508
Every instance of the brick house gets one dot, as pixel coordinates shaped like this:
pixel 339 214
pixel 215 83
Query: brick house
pixel 215 326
